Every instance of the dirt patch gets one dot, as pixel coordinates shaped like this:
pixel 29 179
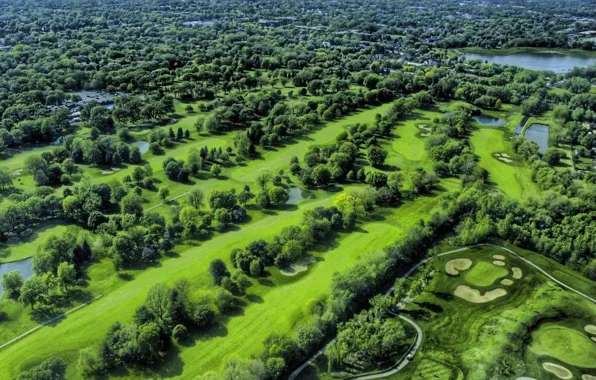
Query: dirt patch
pixel 506 282
pixel 453 267
pixel 499 263
pixel 590 329
pixel 517 273
pixel 473 295
pixel 498 257
pixel 299 266
pixel 559 371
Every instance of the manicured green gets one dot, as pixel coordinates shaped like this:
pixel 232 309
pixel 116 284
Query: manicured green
pixel 484 273
pixel 565 344
pixel 429 369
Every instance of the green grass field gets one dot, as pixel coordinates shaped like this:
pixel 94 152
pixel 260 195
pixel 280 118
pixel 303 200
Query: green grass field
pixel 565 344
pixel 430 369
pixel 484 274
pixel 479 333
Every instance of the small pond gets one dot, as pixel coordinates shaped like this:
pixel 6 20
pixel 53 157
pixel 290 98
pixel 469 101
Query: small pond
pixel 520 126
pixel 489 121
pixel 297 194
pixel 559 63
pixel 539 134
pixel 23 266
pixel 142 145
pixel 109 106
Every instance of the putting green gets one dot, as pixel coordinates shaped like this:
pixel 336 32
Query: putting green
pixel 559 371
pixel 473 295
pixel 484 274
pixel 453 267
pixel 565 344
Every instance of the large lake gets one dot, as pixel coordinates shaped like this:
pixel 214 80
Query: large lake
pixel 559 63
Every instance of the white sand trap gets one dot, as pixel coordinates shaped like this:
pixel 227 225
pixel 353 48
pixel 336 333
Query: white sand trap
pixel 453 267
pixel 499 263
pixel 498 257
pixel 590 329
pixel 559 371
pixel 504 155
pixel 588 377
pixel 497 154
pixel 525 378
pixel 507 160
pixel 17 172
pixel 425 134
pixel 106 172
pixel 506 281
pixel 299 266
pixel 423 126
pixel 594 338
pixel 473 295
pixel 517 273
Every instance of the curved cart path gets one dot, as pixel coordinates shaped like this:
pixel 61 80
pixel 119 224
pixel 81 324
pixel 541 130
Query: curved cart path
pixel 404 361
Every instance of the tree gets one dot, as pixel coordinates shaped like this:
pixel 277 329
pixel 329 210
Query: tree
pixel 216 170
pixel 132 204
pixel 262 179
pixel 196 198
pixel 138 174
pixel 553 156
pixel 149 342
pixel 222 199
pixel 5 178
pixel 33 291
pixel 203 316
pixel 321 175
pixel 67 274
pixel 179 333
pixel 376 179
pixel 278 195
pixel 89 363
pixel 163 193
pixel 50 369
pixel 376 156
pixel 159 302
pixel 218 271
pixel 12 282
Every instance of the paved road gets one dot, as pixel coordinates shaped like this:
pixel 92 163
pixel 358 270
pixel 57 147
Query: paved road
pixel 403 362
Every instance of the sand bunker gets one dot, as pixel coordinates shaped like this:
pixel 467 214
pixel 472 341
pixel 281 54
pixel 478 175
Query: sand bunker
pixel 499 263
pixel 506 281
pixel 559 371
pixel 106 172
pixel 588 377
pixel 517 273
pixel 453 267
pixel 507 160
pixel 423 126
pixel 590 329
pixel 17 172
pixel 498 257
pixel 504 155
pixel 299 266
pixel 473 295
pixel 425 134
pixel 594 338
pixel 525 378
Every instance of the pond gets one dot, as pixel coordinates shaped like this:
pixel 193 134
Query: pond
pixel 297 194
pixel 539 134
pixel 109 106
pixel 559 63
pixel 142 145
pixel 520 126
pixel 23 266
pixel 489 121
